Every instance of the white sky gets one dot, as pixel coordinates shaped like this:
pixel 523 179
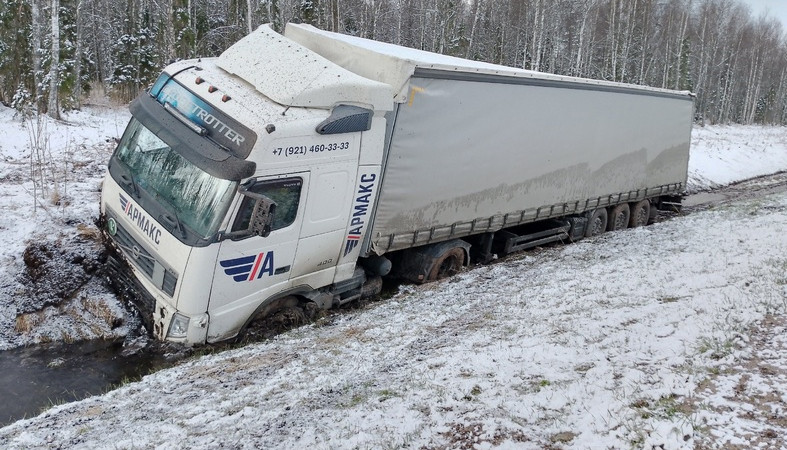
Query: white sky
pixel 776 8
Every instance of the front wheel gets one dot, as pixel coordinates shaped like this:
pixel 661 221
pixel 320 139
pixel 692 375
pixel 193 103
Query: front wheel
pixel 447 265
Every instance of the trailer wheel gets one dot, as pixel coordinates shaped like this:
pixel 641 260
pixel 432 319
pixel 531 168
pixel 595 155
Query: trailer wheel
pixel 447 265
pixel 619 217
pixel 597 223
pixel 640 214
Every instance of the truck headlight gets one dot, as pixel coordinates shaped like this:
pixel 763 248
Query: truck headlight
pixel 178 326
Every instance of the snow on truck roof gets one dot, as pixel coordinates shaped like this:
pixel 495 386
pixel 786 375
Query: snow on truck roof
pixel 394 64
pixel 292 75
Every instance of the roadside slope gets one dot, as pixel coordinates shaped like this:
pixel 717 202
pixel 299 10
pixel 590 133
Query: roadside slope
pixel 50 175
pixel 615 341
pixel 725 154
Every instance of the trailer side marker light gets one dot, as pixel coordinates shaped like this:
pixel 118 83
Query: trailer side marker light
pixel 212 89
pixel 225 98
pixel 199 80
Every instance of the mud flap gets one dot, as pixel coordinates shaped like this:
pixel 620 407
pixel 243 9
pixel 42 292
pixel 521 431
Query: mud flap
pixel 579 225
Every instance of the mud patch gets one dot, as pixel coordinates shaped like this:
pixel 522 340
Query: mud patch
pixel 280 321
pixel 60 292
pixel 56 270
pixel 747 396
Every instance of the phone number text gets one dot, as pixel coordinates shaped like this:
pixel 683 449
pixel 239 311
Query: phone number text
pixel 300 150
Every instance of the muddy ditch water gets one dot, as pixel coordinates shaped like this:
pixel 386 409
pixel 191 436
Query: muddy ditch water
pixel 34 378
pixel 63 280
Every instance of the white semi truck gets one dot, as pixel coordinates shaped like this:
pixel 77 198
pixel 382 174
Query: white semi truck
pixel 303 167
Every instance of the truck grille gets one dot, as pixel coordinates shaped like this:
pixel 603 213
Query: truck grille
pixel 129 289
pixel 164 278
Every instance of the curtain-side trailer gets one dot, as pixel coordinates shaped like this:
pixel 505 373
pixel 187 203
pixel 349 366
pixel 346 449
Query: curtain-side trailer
pixel 302 168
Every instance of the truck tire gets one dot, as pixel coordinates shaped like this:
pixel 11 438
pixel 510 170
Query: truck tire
pixel 597 223
pixel 448 264
pixel 619 217
pixel 640 214
pixel 265 321
pixel 278 304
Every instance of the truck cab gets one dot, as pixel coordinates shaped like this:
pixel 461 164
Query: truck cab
pixel 242 180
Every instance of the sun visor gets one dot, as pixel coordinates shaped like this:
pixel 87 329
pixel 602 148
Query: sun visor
pixel 187 143
pixel 219 127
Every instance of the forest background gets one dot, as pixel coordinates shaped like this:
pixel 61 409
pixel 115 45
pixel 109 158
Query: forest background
pixel 53 53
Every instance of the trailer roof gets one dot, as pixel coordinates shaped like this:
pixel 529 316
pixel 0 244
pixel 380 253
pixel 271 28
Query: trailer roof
pixel 395 65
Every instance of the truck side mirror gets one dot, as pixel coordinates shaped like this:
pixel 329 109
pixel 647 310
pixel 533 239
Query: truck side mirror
pixel 259 221
pixel 262 216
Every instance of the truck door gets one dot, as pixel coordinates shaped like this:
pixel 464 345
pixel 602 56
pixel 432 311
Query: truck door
pixel 252 269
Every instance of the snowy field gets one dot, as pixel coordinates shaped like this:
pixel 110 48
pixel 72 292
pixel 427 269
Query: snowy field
pixel 50 200
pixel 721 155
pixel 670 335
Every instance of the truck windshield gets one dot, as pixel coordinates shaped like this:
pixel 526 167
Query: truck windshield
pixel 198 199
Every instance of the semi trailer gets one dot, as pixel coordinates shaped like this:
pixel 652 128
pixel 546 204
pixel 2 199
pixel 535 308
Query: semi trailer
pixel 304 167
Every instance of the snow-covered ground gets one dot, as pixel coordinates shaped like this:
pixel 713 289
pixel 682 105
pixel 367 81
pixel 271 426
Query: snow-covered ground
pixel 721 155
pixel 665 335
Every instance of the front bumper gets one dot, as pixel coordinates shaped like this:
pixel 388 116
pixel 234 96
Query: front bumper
pixel 155 314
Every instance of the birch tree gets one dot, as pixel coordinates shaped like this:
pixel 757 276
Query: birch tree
pixel 35 44
pixel 53 105
pixel 78 56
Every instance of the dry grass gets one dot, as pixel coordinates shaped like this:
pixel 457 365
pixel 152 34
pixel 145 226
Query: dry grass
pixel 99 309
pixel 25 323
pixel 351 333
pixel 89 232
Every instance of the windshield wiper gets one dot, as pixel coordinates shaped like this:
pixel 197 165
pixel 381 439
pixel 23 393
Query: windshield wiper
pixel 128 178
pixel 171 218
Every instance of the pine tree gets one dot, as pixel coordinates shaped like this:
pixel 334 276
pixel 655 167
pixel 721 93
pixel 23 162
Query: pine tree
pixel 136 59
pixel 16 81
pixel 184 33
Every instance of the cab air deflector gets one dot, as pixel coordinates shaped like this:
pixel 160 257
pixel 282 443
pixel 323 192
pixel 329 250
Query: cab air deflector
pixel 346 119
pixel 196 149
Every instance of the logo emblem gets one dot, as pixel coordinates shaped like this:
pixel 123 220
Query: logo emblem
pixel 125 204
pixel 249 268
pixel 141 220
pixel 361 206
pixel 352 242
pixel 112 226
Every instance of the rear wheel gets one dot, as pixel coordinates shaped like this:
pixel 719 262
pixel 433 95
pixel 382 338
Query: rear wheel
pixel 597 223
pixel 447 265
pixel 619 217
pixel 640 214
